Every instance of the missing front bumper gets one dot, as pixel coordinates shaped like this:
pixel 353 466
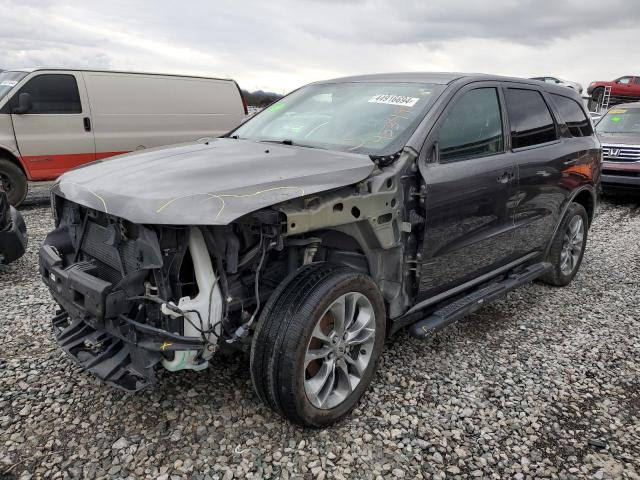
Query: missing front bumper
pixel 94 330
pixel 109 358
pixel 123 353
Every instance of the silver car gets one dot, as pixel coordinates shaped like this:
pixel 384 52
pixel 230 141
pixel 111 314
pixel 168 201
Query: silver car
pixel 559 81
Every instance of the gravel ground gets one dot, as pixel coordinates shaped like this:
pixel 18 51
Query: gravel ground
pixel 544 383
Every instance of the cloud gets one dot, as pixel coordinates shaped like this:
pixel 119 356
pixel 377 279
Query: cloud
pixel 281 45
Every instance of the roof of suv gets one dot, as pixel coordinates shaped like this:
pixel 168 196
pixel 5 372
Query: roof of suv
pixel 443 78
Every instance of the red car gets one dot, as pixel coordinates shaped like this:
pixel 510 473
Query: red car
pixel 623 89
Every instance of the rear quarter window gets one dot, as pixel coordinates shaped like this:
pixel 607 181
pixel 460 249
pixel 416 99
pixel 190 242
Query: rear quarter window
pixel 529 117
pixel 575 119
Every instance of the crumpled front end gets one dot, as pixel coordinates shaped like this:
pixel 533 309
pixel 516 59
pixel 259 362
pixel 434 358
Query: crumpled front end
pixel 131 296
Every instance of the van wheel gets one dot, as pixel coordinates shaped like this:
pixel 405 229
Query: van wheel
pixel 317 344
pixel 568 247
pixel 13 181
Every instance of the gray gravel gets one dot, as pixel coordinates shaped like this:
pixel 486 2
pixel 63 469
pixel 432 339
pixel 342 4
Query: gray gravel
pixel 544 383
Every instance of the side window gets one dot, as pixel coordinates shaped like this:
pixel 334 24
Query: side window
pixel 52 93
pixel 473 127
pixel 579 125
pixel 529 117
pixel 637 80
pixel 624 80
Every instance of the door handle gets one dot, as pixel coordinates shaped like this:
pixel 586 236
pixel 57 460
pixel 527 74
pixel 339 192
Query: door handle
pixel 506 177
pixel 87 124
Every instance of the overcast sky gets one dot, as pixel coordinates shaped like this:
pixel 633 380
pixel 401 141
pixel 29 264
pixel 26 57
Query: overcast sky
pixel 280 45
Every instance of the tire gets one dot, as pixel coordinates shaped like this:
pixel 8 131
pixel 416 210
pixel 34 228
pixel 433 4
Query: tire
pixel 297 315
pixel 567 247
pixel 594 101
pixel 14 181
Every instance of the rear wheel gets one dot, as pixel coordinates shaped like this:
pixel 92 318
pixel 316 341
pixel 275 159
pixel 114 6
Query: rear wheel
pixel 568 246
pixel 13 181
pixel 318 342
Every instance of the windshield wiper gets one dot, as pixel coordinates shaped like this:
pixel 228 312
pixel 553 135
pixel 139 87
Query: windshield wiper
pixel 288 141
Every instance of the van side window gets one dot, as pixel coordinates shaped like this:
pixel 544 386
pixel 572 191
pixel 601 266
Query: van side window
pixel 473 127
pixel 52 93
pixel 529 117
pixel 578 123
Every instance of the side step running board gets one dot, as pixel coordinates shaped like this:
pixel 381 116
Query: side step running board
pixel 473 301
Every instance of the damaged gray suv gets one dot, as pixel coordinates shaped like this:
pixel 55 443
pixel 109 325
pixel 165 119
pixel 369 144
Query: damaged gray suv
pixel 346 211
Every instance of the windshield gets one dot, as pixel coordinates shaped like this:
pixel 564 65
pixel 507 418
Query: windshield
pixel 8 80
pixel 620 120
pixel 368 118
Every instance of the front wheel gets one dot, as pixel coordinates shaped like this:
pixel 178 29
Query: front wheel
pixel 13 181
pixel 595 101
pixel 567 248
pixel 317 344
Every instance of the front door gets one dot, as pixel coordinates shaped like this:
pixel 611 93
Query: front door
pixel 468 176
pixel 55 134
pixel 621 86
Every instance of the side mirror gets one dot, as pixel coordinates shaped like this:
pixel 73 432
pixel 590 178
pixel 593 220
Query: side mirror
pixel 24 104
pixel 558 81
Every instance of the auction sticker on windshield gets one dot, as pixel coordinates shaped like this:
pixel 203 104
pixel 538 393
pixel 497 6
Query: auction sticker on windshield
pixel 8 83
pixel 394 100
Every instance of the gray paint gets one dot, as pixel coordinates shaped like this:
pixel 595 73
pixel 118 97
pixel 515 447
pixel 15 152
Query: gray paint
pixel 208 183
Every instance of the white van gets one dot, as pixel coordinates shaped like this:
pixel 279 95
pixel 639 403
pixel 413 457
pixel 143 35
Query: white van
pixel 54 120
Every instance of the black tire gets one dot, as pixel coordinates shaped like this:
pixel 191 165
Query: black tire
pixel 557 276
pixel 13 181
pixel 284 333
pixel 594 101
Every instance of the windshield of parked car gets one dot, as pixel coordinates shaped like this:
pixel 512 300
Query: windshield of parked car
pixel 8 80
pixel 368 118
pixel 620 120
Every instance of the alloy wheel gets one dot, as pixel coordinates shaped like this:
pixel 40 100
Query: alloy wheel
pixel 572 245
pixel 339 350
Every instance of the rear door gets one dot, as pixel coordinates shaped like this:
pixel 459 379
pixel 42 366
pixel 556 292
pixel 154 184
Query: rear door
pixel 468 175
pixel 541 159
pixel 55 134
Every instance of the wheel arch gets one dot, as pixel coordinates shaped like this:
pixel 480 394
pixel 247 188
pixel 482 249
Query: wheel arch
pixel 7 154
pixel 588 200
pixel 585 196
pixel 385 265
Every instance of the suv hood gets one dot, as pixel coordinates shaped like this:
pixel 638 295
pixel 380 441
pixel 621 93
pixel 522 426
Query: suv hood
pixel 209 183
pixel 619 138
